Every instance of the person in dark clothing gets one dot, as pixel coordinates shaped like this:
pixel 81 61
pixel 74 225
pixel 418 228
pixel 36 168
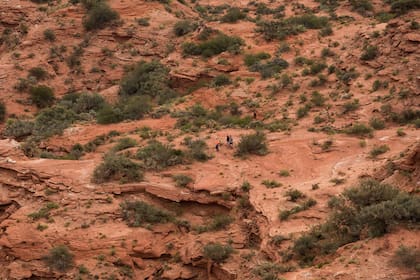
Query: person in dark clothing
pixel 228 139
pixel 255 115
pixel 217 147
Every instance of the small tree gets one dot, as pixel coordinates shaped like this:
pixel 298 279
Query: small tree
pixel 59 258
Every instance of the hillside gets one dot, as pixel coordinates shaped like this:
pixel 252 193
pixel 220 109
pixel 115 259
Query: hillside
pixel 114 157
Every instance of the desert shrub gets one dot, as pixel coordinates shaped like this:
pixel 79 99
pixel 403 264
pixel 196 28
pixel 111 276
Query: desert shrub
pixel 99 16
pixel 218 44
pixel 124 143
pixel 346 75
pixel 378 150
pixel 361 6
pixel 408 257
pixel 182 180
pixel 370 52
pixel 148 79
pixel 139 213
pixel 405 116
pixel 117 167
pixel 108 114
pixel 377 123
pixel 134 107
pixel 254 144
pixel 18 128
pixel 49 35
pixel 2 111
pixel 76 152
pixel 51 121
pixel 359 129
pixel 184 27
pixel 252 59
pixel 42 96
pixel 308 203
pixel 221 80
pixel 233 15
pixel 404 6
pixel 159 156
pixel 303 111
pixel 38 72
pixel 217 252
pixel 316 67
pixel 143 21
pixel 294 194
pixel 317 99
pixel 369 208
pixel 270 68
pixel 271 184
pixel 269 270
pixel 291 26
pixel 59 258
pixel 197 150
pixel 326 31
pixel 351 106
pixel 83 103
pixel 43 212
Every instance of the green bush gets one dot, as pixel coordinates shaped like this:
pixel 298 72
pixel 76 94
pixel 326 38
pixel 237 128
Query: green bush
pixel 124 143
pixel 317 99
pixel 117 167
pixel 408 257
pixel 370 208
pixel 184 27
pixel 83 103
pixel 220 43
pixel 49 35
pixel 99 16
pixel 139 213
pixel 294 194
pixel 270 68
pixel 109 114
pixel 221 80
pixel 42 96
pixel 2 111
pixel 351 106
pixel 233 15
pixel 269 270
pixel 197 150
pixel 361 6
pixel 182 180
pixel 254 144
pixel 148 79
pixel 378 150
pixel 59 258
pixel 18 128
pixel 252 59
pixel 38 73
pixel 291 26
pixel 359 129
pixel 159 156
pixel 303 111
pixel 52 121
pixel 217 252
pixel 377 124
pixel 404 6
pixel 271 184
pixel 369 53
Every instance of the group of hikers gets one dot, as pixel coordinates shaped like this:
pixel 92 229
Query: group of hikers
pixel 229 142
pixel 229 139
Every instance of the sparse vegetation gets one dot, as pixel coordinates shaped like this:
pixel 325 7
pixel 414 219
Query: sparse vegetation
pixel 378 150
pixel 217 252
pixel 99 16
pixel 252 144
pixel 369 53
pixel 233 15
pixel 182 180
pixel 407 257
pixel 42 96
pixel 117 167
pixel 218 44
pixel 139 213
pixel 59 258
pixel 159 156
pixel 370 208
pixel 49 35
pixel 184 27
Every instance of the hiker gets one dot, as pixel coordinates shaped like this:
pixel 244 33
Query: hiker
pixel 228 139
pixel 231 141
pixel 217 147
pixel 255 115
